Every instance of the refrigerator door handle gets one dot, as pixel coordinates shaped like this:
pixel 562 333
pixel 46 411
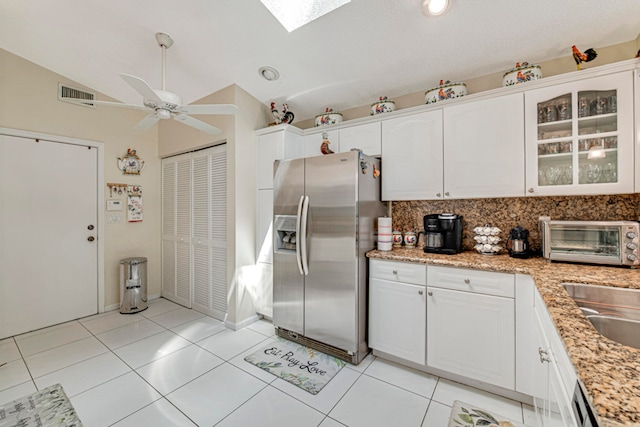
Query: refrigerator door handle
pixel 302 237
pixel 299 241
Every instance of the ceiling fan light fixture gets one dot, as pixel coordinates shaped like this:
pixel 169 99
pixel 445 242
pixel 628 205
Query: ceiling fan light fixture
pixel 433 8
pixel 268 73
pixel 163 113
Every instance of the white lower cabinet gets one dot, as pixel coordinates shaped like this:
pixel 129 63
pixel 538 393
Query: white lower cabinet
pixel 554 378
pixel 471 334
pixel 397 310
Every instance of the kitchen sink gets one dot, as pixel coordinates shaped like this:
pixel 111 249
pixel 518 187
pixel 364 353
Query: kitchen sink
pixel 614 312
pixel 618 329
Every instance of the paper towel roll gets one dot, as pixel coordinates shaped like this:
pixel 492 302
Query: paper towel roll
pixel 385 238
pixel 384 246
pixel 384 226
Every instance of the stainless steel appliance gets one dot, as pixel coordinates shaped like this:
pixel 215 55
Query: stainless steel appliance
pixel 443 233
pixel 581 409
pixel 325 213
pixel 594 242
pixel 518 242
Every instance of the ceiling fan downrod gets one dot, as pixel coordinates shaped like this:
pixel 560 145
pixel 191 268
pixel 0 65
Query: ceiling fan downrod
pixel 165 42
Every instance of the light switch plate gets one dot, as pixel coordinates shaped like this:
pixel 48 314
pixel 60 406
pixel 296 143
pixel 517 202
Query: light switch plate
pixel 114 218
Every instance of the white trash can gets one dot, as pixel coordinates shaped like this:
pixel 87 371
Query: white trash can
pixel 133 285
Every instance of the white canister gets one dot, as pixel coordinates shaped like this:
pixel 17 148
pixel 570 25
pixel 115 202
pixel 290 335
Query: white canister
pixel 385 235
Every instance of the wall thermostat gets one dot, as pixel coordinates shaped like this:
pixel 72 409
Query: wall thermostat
pixel 114 205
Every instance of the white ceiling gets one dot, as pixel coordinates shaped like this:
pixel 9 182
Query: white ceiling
pixel 344 59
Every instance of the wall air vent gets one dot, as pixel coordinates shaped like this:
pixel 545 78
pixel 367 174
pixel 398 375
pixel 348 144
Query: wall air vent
pixel 66 93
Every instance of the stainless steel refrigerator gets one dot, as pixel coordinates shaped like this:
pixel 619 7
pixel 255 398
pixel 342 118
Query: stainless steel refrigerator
pixel 325 216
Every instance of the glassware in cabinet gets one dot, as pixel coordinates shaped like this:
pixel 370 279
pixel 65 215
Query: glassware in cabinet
pixel 579 136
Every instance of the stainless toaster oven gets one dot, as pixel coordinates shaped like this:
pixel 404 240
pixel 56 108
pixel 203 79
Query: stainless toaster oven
pixel 594 242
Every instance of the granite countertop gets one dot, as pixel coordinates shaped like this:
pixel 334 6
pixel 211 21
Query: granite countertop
pixel 609 371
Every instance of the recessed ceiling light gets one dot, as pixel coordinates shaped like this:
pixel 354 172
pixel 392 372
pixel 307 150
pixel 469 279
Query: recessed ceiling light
pixel 269 73
pixel 294 14
pixel 435 7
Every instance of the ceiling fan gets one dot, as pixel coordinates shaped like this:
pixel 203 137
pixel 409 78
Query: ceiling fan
pixel 163 104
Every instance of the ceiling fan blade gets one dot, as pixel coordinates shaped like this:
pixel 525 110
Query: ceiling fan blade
pixel 104 103
pixel 141 87
pixel 198 124
pixel 147 122
pixel 208 109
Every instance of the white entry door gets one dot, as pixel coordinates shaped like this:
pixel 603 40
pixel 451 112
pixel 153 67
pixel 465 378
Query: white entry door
pixel 48 233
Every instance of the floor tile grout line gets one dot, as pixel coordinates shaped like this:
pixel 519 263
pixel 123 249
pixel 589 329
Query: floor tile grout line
pixel 242 404
pixel 400 387
pixel 51 348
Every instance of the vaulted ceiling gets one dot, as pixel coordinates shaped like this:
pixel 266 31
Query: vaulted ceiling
pixel 344 59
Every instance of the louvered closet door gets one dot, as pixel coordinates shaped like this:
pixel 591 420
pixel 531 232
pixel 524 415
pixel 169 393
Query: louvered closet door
pixel 176 229
pixel 209 239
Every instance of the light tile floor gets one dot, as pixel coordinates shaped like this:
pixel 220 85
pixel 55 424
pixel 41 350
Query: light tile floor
pixel 170 366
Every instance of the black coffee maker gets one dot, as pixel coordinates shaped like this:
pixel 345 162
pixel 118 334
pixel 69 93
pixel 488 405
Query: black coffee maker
pixel 443 233
pixel 518 243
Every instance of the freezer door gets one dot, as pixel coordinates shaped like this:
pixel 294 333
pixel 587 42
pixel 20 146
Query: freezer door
pixel 288 281
pixel 331 287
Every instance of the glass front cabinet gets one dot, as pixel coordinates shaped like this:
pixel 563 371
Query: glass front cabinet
pixel 579 137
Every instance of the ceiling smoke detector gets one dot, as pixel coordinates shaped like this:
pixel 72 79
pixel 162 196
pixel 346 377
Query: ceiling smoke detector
pixel 434 8
pixel 269 73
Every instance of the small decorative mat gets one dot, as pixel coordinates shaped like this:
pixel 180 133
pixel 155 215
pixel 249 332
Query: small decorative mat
pixel 302 366
pixel 466 415
pixel 48 407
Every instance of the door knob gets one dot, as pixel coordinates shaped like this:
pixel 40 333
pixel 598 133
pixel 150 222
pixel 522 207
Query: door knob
pixel 91 238
pixel 430 293
pixel 530 190
pixel 438 194
pixel 447 193
pixel 420 292
pixel 467 281
pixel 90 227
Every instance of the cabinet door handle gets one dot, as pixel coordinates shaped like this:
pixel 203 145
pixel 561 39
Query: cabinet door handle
pixel 395 271
pixel 446 193
pixel 438 194
pixel 530 190
pixel 544 355
pixel 420 292
pixel 430 293
pixel 467 281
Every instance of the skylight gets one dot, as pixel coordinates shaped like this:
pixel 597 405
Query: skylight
pixel 293 14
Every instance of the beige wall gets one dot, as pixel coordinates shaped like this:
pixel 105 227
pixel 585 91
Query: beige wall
pixel 29 102
pixel 606 55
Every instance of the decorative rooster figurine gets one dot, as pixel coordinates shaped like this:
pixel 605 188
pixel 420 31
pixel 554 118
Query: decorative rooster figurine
pixel 285 117
pixel 579 57
pixel 324 147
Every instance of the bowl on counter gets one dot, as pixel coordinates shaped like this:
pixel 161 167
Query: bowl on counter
pixel 446 90
pixel 522 73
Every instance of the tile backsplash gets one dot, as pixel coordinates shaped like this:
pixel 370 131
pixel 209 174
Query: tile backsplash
pixel 506 213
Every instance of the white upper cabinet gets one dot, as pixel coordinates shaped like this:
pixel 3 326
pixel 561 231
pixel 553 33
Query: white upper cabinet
pixel 366 137
pixel 579 137
pixel 412 157
pixel 282 143
pixel 312 142
pixel 484 148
